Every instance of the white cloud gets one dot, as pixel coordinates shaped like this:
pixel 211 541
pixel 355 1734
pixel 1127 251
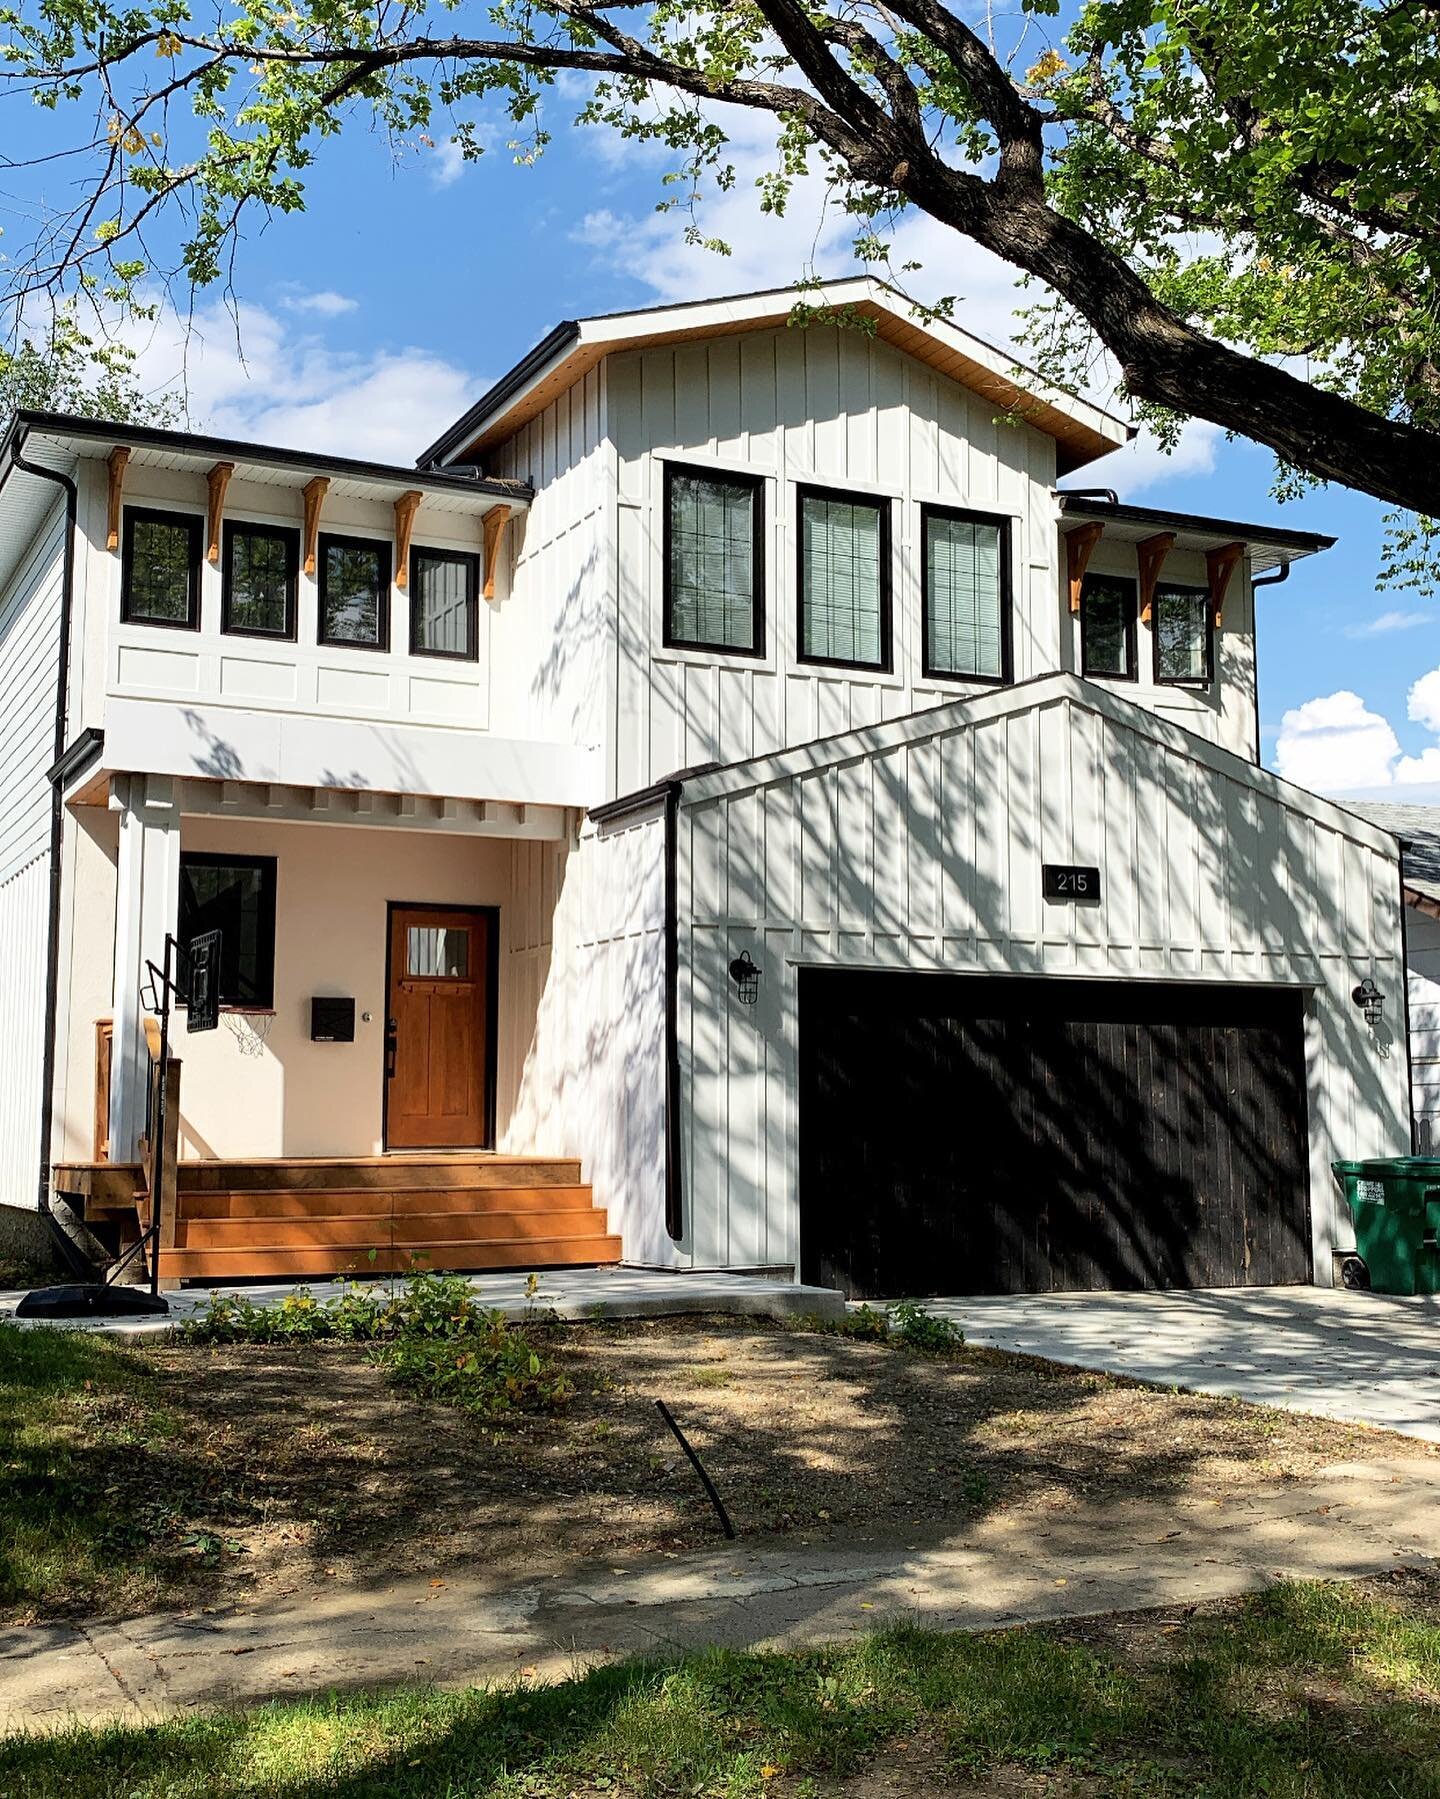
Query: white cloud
pixel 1412 769
pixel 1335 742
pixel 327 304
pixel 1144 462
pixel 1423 703
pixel 447 164
pixel 1387 622
pixel 251 374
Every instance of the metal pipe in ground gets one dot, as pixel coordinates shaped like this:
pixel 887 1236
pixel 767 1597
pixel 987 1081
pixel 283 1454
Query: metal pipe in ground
pixel 699 1468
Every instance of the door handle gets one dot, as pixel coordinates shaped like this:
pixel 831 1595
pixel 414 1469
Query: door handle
pixel 392 1044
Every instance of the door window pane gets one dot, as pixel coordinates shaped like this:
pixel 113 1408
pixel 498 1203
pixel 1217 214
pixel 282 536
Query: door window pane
pixel 355 592
pixel 260 571
pixel 712 570
pixel 443 603
pixel 161 576
pixel 1182 634
pixel 234 895
pixel 1107 626
pixel 964 596
pixel 438 952
pixel 842 580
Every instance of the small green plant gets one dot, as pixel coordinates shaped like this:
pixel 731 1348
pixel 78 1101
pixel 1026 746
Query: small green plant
pixel 915 1327
pixel 493 1369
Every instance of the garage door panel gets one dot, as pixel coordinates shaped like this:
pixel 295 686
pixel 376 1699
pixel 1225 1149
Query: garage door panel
pixel 1029 1135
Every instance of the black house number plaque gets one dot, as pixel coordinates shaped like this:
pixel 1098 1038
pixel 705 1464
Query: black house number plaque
pixel 1061 881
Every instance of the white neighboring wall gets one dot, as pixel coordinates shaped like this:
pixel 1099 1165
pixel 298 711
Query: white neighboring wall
pixel 1422 937
pixel 29 674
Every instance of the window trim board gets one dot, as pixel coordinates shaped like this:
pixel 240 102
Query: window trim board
pixel 669 640
pixel 290 536
pixel 968 515
pixel 194 523
pixel 885 506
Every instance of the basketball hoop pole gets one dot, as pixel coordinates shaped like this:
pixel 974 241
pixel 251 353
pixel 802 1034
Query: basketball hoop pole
pixel 167 990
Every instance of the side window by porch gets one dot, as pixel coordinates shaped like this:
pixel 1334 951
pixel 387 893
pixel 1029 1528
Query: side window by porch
pixel 1108 606
pixel 234 895
pixel 714 573
pixel 1184 640
pixel 444 585
pixel 355 592
pixel 160 569
pixel 262 569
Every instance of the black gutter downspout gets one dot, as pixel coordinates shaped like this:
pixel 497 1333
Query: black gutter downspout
pixel 674 1195
pixel 57 813
pixel 1261 581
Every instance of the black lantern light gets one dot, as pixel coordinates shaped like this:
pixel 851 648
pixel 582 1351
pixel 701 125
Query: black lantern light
pixel 746 976
pixel 1371 1002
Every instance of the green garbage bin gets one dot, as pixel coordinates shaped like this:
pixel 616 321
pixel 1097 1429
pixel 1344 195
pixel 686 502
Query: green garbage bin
pixel 1395 1204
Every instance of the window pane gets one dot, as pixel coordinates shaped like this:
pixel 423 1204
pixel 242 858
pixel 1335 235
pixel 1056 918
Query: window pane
pixel 438 951
pixel 443 600
pixel 840 579
pixel 354 578
pixel 259 582
pixel 964 623
pixel 230 898
pixel 1105 625
pixel 161 569
pixel 1182 633
pixel 712 562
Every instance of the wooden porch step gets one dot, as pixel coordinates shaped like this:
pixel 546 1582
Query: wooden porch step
pixel 260 1260
pixel 380 1202
pixel 416 1231
pixel 385 1173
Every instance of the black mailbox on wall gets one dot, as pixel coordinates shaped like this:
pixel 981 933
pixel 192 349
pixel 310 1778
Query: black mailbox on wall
pixel 332 1020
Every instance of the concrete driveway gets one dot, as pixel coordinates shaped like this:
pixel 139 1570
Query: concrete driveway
pixel 1361 1357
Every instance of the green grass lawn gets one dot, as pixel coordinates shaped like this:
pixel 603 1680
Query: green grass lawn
pixel 1306 1690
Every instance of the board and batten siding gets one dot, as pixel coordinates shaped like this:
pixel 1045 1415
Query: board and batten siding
pixel 586 936
pixel 919 846
pixel 1422 933
pixel 29 675
pixel 831 407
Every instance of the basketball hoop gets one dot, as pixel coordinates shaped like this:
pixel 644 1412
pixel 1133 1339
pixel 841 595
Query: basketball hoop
pixel 251 1030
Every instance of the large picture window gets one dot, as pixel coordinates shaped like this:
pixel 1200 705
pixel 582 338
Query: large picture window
pixel 444 585
pixel 1108 604
pixel 234 895
pixel 160 569
pixel 844 579
pixel 1183 638
pixel 714 568
pixel 965 595
pixel 355 592
pixel 262 568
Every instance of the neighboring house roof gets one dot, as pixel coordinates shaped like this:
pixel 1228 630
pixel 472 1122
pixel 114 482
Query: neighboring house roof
pixel 1418 828
pixel 1267 546
pixel 1081 431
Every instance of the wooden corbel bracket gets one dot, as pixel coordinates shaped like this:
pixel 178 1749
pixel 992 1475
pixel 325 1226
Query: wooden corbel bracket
pixel 1219 566
pixel 315 492
pixel 219 482
pixel 116 461
pixel 1079 545
pixel 1150 553
pixel 494 523
pixel 405 509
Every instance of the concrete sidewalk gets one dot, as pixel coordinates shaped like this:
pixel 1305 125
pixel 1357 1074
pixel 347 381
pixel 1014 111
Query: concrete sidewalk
pixel 1017 1565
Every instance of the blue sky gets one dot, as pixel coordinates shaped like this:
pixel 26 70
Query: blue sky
pixel 413 280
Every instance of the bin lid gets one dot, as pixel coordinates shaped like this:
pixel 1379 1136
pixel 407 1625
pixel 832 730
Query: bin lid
pixel 1415 1168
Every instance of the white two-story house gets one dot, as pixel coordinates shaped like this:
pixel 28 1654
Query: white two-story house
pixel 741 800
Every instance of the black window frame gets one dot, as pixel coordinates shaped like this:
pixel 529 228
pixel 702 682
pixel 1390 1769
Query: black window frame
pixel 1007 593
pixel 670 639
pixel 1195 683
pixel 470 562
pixel 385 550
pixel 290 537
pixel 1132 664
pixel 194 524
pixel 885 505
pixel 267 867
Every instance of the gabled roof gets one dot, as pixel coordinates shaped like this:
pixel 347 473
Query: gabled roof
pixel 1081 431
pixel 1266 546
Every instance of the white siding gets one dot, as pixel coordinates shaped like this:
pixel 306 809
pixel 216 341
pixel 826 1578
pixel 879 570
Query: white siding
pixel 1422 935
pixel 29 666
pixel 589 1079
pixel 919 846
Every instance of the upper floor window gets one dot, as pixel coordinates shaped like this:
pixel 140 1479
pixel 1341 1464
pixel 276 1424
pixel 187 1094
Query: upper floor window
pixel 355 592
pixel 234 895
pixel 965 594
pixel 262 568
pixel 844 579
pixel 1108 605
pixel 444 585
pixel 714 571
pixel 1184 641
pixel 160 568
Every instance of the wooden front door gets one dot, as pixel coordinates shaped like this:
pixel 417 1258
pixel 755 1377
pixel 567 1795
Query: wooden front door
pixel 437 1029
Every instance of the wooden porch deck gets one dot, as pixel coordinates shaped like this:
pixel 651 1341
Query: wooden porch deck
pixel 360 1215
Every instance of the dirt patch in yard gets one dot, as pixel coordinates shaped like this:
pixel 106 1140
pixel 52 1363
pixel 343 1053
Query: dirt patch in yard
pixel 279 1468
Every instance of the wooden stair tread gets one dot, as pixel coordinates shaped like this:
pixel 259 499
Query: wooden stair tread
pixel 247 1233
pixel 261 1260
pixel 385 1176
pixel 379 1202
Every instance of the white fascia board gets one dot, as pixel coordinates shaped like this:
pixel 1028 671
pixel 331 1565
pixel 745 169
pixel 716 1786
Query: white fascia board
pixel 1026 696
pixel 230 744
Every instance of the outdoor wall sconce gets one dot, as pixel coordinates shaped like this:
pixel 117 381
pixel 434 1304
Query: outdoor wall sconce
pixel 1371 1002
pixel 746 977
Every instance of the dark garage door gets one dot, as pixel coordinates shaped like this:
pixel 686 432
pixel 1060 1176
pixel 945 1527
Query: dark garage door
pixel 1005 1135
